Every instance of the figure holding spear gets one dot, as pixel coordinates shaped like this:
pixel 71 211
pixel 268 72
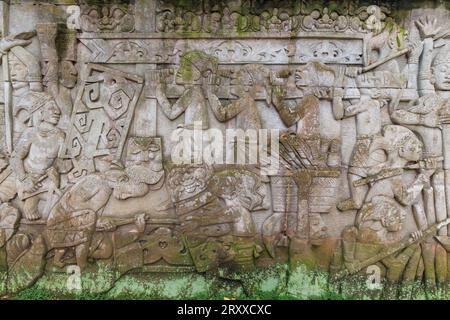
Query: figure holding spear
pixel 428 117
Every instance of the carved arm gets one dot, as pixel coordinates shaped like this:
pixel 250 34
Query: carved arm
pixel 224 113
pixel 19 154
pixel 425 85
pixel 288 114
pixel 406 117
pixel 407 195
pixel 173 111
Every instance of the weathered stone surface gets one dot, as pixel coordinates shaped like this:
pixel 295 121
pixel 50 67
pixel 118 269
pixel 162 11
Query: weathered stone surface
pixel 225 148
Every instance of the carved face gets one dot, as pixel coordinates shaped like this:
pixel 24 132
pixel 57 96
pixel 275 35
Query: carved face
pixel 68 74
pixel 144 160
pixel 193 66
pixel 411 150
pixel 318 228
pixel 18 72
pixel 106 18
pixel 188 181
pixel 111 18
pixel 250 80
pixel 402 140
pixel 214 22
pixel 187 73
pixel 393 220
pixel 441 74
pixel 51 113
pixel 143 150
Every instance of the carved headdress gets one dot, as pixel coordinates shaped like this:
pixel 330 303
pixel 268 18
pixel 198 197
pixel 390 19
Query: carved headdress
pixel 443 56
pixel 32 102
pixel 200 60
pixel 33 66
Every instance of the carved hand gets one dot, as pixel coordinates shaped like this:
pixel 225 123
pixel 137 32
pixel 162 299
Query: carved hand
pixel 338 92
pixel 54 176
pixel 28 185
pixel 430 119
pixel 140 222
pixel 105 224
pixel 415 50
pixel 416 235
pixel 428 27
pixel 354 109
pixel 209 84
pixel 155 81
pixel 426 174
pixel 353 72
pixel 8 43
pixel 278 94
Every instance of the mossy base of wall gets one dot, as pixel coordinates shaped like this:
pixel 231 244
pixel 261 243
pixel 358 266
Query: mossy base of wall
pixel 276 282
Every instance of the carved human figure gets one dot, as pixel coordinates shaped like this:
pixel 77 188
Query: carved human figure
pixel 251 81
pixel 382 214
pixel 194 72
pixel 143 163
pixel 34 164
pixel 25 76
pixel 59 70
pixel 316 81
pixel 243 192
pixel 367 112
pixel 428 117
pixel 205 222
pixel 379 223
pixel 75 217
pixel 305 153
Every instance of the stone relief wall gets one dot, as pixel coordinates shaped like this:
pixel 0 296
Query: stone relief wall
pixel 357 93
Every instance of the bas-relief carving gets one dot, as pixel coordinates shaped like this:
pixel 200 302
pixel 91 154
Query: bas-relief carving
pixel 360 103
pixel 290 16
pixel 115 17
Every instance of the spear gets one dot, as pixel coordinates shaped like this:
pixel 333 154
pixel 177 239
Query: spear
pixel 8 42
pixel 6 80
pixel 408 241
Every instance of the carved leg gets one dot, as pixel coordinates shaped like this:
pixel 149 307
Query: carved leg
pixel 8 189
pixel 57 259
pixel 438 184
pixel 428 248
pixel 82 253
pixel 358 195
pixel 441 265
pixel 437 181
pixel 30 208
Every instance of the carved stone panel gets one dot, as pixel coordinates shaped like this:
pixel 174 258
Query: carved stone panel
pixel 243 148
